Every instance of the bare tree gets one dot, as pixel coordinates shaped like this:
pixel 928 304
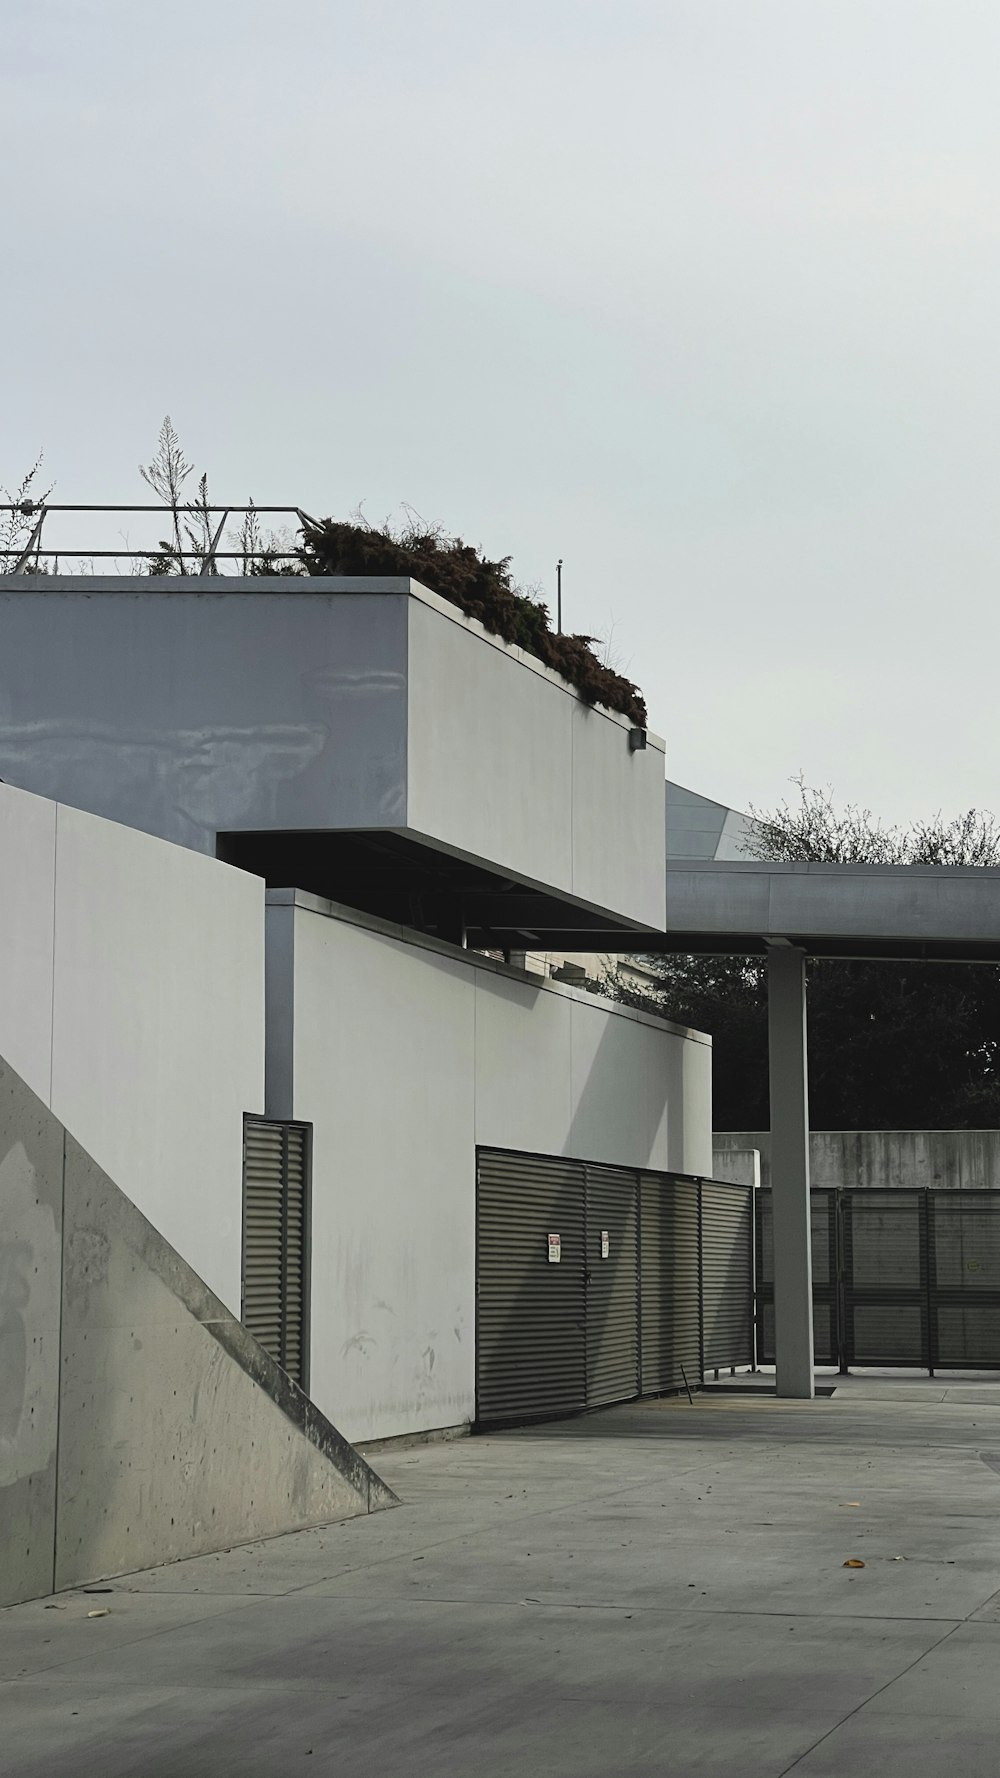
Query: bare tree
pixel 815 830
pixel 19 524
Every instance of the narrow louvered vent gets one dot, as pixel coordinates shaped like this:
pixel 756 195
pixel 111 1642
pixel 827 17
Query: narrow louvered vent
pixel 275 1240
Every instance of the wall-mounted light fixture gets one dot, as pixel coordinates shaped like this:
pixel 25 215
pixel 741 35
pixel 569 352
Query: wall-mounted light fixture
pixel 636 740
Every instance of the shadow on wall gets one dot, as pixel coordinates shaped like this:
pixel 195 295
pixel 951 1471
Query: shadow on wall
pixel 593 1081
pixel 139 1421
pixel 630 1094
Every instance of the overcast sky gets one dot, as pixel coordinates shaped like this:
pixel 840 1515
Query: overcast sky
pixel 701 295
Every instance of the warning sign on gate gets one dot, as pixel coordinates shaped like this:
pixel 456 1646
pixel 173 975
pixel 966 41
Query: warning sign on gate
pixel 555 1249
pixel 605 1243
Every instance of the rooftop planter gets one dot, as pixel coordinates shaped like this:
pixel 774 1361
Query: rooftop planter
pixel 481 589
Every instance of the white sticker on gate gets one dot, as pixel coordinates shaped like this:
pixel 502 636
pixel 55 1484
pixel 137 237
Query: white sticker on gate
pixel 555 1249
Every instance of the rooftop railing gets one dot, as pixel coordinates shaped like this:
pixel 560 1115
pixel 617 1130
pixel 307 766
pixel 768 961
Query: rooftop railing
pixel 28 546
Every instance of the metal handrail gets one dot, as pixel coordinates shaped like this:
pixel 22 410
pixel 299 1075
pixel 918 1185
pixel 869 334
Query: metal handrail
pixel 31 506
pixel 207 556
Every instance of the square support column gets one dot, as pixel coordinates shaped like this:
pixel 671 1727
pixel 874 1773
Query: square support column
pixel 790 1216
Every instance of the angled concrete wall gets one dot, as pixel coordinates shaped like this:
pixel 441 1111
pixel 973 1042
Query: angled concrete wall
pixel 139 1421
pixel 31 1222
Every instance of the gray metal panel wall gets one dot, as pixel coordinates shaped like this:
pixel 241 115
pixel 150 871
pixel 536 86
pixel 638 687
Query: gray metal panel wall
pixel 670 1282
pixel 531 1339
pixel 275 1209
pixel 727 1274
pixel 612 1285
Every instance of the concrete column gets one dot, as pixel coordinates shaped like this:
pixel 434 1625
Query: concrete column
pixel 786 1020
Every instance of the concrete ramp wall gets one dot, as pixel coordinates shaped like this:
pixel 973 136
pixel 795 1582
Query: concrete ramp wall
pixel 139 1421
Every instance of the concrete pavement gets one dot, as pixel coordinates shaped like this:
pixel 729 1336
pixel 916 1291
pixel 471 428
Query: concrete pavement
pixel 658 1588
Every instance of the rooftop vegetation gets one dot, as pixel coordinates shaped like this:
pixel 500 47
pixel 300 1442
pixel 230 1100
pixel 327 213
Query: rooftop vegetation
pixel 481 588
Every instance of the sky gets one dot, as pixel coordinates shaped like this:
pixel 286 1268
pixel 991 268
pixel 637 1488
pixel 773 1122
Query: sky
pixel 699 295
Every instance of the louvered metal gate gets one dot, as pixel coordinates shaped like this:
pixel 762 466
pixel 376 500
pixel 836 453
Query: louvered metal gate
pixel 612 1281
pixel 670 1268
pixel 900 1277
pixel 619 1313
pixel 531 1349
pixel 727 1275
pixel 275 1240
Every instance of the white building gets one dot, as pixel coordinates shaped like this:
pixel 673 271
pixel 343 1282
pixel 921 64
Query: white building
pixel 256 839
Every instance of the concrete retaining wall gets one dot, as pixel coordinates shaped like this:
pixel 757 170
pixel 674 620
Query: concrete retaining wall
pixel 139 1422
pixel 954 1160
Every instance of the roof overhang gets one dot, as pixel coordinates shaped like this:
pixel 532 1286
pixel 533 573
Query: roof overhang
pixel 924 913
pixel 402 878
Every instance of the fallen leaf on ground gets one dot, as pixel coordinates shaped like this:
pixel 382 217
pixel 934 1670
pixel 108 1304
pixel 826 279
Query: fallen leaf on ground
pixel 102 1611
pixel 850 1503
pixel 854 1562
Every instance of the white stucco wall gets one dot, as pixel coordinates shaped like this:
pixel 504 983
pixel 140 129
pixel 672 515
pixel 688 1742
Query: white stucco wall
pixel 406 1054
pixel 132 1003
pixel 506 764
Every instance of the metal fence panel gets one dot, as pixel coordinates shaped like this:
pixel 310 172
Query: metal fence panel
pixel 885 1277
pixel 612 1279
pixel 531 1342
pixel 727 1274
pixel 648 1272
pixel 964 1283
pixel 670 1284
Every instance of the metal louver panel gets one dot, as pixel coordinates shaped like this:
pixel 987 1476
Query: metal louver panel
pixel 531 1339
pixel 727 1274
pixel 670 1283
pixel 620 1313
pixel 612 1285
pixel 275 1239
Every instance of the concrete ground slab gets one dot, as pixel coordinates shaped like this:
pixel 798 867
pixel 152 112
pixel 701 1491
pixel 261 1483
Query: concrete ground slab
pixel 151 1732
pixel 901 1746
pixel 48 1633
pixel 658 1588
